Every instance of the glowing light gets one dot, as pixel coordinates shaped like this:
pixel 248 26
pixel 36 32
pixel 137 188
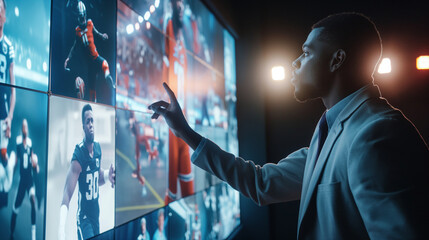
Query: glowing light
pixel 278 73
pixel 146 15
pixel 29 64
pixel 130 28
pixel 152 8
pixel 422 63
pixel 156 3
pixel 147 25
pixel 17 11
pixel 140 18
pixel 137 26
pixel 45 66
pixel 385 66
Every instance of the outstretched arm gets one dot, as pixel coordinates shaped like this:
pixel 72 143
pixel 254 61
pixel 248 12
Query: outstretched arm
pixel 70 54
pixel 103 36
pixel 265 184
pixel 71 180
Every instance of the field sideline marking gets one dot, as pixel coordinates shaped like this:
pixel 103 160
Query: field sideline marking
pixel 161 202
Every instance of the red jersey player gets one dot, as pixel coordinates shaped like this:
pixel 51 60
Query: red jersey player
pixel 174 72
pixel 84 42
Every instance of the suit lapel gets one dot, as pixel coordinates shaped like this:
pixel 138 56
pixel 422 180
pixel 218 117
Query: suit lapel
pixel 313 170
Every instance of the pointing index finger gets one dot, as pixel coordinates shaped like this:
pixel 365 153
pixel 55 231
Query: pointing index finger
pixel 169 92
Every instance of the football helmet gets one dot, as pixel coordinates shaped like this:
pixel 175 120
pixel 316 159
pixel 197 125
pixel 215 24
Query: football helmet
pixel 81 9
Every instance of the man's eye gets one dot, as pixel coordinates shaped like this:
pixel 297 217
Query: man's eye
pixel 305 54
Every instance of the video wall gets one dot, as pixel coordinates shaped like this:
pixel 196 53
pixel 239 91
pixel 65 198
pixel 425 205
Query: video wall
pixel 81 157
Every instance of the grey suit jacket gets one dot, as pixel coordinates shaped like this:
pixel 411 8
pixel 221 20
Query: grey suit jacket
pixel 371 180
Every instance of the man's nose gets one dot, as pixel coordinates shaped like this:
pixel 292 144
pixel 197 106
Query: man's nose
pixel 296 64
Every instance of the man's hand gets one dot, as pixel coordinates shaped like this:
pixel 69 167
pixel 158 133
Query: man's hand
pixel 112 175
pixel 175 119
pixel 105 36
pixel 171 112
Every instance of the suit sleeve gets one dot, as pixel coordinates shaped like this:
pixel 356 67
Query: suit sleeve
pixel 388 176
pixel 265 184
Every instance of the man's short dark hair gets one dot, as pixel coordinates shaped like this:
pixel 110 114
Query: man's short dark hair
pixel 356 34
pixel 85 108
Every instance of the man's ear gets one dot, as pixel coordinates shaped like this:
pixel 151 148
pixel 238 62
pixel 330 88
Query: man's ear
pixel 338 58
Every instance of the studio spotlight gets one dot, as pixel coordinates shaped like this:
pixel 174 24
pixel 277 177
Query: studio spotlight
pixel 278 73
pixel 385 66
pixel 422 63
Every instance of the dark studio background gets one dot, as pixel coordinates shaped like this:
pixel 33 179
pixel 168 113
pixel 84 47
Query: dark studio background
pixel 271 123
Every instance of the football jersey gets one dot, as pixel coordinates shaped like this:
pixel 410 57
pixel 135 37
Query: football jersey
pixel 23 153
pixel 176 63
pixel 85 38
pixel 7 54
pixel 4 101
pixel 88 181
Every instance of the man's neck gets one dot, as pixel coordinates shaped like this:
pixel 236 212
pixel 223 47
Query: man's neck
pixel 341 89
pixel 90 147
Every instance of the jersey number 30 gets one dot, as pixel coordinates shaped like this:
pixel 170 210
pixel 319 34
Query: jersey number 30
pixel 92 180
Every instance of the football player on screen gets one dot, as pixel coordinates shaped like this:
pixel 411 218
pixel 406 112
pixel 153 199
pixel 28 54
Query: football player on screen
pixel 29 167
pixel 174 72
pixel 144 235
pixel 85 46
pixel 85 170
pixel 144 135
pixel 7 107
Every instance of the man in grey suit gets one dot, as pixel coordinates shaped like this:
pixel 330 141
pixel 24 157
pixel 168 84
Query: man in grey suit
pixel 365 173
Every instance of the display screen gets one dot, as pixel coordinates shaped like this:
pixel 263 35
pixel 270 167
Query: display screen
pixel 81 148
pixel 83 50
pixel 141 163
pixel 139 62
pixel 151 226
pixel 23 162
pixel 81 157
pixel 210 214
pixel 24 55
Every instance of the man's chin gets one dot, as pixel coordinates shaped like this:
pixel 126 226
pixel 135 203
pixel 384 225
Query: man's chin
pixel 300 97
